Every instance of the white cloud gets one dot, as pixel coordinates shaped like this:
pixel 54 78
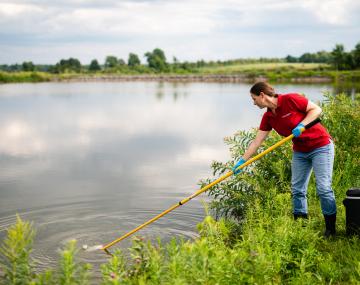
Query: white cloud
pixel 201 154
pixel 17 10
pixel 18 138
pixel 207 29
pixel 334 12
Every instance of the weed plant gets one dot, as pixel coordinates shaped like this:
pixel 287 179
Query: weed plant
pixel 253 240
pixel 12 77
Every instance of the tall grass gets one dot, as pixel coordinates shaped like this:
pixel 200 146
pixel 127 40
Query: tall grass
pixel 263 67
pixel 254 240
pixel 17 265
pixel 12 77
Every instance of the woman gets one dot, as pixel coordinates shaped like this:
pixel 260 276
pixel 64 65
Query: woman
pixel 312 148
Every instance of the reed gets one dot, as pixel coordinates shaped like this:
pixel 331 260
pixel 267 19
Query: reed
pixel 21 77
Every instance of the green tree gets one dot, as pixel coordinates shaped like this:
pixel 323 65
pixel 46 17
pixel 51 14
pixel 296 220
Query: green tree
pixel 338 57
pixel 175 65
pixel 133 60
pixel 291 58
pixel 94 66
pixel 111 61
pixel 68 65
pixel 323 56
pixel 349 62
pixel 121 61
pixel 15 67
pixel 157 60
pixel 306 57
pixel 200 63
pixel 28 66
pixel 356 55
pixel 320 56
pixel 74 64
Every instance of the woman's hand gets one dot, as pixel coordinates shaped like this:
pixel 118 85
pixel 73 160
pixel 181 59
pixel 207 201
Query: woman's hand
pixel 298 130
pixel 235 169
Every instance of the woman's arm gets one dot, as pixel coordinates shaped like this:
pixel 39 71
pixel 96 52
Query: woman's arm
pixel 255 144
pixel 313 111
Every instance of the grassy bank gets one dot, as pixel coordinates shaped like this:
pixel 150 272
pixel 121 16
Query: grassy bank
pixel 263 67
pixel 274 72
pixel 282 71
pixel 20 77
pixel 255 239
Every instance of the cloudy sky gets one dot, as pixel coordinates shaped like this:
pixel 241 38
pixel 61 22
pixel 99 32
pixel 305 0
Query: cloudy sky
pixel 45 31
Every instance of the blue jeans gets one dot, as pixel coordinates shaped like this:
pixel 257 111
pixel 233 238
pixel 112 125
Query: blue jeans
pixel 321 160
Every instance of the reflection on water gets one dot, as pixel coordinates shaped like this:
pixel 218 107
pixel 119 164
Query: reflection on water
pixel 177 92
pixel 91 161
pixel 349 88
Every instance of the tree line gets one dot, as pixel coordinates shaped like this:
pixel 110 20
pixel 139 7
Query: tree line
pixel 156 60
pixel 338 58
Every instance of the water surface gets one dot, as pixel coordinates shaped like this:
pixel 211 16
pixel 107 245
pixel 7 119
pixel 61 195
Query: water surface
pixel 91 161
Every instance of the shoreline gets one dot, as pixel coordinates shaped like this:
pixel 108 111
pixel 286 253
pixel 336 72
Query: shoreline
pixel 225 78
pixel 330 77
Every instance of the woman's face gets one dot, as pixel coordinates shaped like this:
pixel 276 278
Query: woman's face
pixel 259 100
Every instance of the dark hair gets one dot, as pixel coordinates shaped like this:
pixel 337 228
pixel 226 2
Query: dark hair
pixel 264 87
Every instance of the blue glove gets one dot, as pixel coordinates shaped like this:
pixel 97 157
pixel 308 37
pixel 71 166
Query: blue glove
pixel 240 162
pixel 298 130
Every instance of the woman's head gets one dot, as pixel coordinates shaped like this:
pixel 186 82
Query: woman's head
pixel 263 95
pixel 264 87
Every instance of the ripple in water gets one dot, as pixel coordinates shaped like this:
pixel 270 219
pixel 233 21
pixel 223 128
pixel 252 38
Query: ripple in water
pixel 92 225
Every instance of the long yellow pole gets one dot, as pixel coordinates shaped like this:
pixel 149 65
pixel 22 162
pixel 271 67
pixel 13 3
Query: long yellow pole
pixel 182 202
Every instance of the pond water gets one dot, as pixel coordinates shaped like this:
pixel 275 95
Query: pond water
pixel 91 161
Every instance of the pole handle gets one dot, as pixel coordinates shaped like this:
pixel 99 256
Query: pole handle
pixel 309 125
pixel 105 247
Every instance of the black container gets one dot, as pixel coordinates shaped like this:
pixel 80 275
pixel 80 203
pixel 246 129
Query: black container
pixel 352 205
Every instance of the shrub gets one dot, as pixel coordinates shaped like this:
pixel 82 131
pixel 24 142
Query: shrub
pixel 72 273
pixel 341 117
pixel 15 253
pixel 17 264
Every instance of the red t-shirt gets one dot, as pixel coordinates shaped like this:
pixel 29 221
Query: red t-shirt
pixel 291 110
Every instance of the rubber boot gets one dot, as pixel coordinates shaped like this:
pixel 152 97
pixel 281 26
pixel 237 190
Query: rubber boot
pixel 330 221
pixel 300 216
